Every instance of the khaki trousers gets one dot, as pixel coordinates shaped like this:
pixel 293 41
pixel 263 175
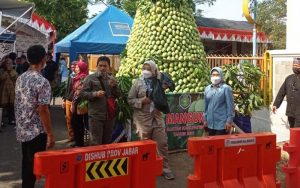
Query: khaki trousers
pixel 68 120
pixel 156 132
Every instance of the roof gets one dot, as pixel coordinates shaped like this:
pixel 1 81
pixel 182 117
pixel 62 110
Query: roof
pixel 34 26
pixel 224 24
pixel 228 30
pixel 16 8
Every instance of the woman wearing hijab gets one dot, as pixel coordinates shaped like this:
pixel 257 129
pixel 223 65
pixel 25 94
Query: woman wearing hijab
pixel 7 89
pixel 219 106
pixel 148 120
pixel 67 102
pixel 78 120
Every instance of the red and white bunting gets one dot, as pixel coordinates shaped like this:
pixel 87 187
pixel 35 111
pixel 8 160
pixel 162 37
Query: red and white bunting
pixel 41 24
pixel 230 35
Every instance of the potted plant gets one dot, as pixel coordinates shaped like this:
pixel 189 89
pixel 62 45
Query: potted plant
pixel 244 80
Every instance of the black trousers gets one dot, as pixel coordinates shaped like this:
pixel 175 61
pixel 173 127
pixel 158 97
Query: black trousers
pixel 294 122
pixel 8 113
pixel 213 132
pixel 11 113
pixel 29 148
pixel 79 123
pixel 291 121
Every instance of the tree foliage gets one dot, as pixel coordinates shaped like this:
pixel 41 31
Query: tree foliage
pixel 65 15
pixel 271 14
pixel 129 6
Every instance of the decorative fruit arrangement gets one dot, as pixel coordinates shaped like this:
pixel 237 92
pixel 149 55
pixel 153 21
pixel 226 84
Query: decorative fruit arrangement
pixel 165 31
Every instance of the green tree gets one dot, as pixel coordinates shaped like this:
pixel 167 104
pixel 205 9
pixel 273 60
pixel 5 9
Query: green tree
pixel 65 15
pixel 271 14
pixel 129 6
pixel 197 11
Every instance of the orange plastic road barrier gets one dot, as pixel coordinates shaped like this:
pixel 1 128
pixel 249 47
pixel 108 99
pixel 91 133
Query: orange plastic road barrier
pixel 123 165
pixel 234 161
pixel 291 170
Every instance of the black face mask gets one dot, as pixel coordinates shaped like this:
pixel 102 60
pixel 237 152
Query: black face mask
pixel 296 70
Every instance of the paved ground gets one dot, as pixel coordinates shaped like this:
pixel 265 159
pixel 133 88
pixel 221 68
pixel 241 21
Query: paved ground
pixel 10 156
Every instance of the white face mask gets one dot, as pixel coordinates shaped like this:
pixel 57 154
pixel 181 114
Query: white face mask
pixel 215 80
pixel 147 74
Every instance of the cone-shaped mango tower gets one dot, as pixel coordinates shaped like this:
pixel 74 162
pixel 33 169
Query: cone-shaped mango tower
pixel 165 31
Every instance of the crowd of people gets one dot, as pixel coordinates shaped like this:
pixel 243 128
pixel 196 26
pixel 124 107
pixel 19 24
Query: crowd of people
pixel 90 103
pixel 11 67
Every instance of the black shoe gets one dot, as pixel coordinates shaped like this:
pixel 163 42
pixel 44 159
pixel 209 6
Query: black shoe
pixel 73 145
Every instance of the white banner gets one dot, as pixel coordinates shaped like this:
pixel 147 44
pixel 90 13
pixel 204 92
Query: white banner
pixel 5 48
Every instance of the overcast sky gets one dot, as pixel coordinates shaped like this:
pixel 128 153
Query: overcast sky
pixel 226 9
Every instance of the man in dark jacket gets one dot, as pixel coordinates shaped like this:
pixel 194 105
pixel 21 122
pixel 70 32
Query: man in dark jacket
pixel 291 89
pixel 98 88
pixel 23 65
pixel 51 70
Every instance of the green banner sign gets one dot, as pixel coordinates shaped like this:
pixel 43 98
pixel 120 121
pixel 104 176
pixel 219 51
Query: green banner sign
pixel 185 118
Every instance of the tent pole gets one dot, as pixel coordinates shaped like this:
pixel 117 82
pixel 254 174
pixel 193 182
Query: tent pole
pixel 1 32
pixel 0 19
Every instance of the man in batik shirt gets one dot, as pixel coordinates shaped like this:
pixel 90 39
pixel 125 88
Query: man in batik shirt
pixel 33 94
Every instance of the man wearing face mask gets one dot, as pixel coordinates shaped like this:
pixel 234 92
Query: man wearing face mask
pixel 291 89
pixel 98 88
pixel 219 106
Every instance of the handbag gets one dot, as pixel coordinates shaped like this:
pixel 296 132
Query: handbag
pixel 80 104
pixel 82 108
pixel 159 97
pixel 167 80
pixel 111 105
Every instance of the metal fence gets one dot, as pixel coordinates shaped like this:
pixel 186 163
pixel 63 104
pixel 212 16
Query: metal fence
pixel 264 63
pixel 221 60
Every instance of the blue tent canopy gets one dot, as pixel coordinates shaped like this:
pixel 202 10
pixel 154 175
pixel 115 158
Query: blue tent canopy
pixel 106 33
